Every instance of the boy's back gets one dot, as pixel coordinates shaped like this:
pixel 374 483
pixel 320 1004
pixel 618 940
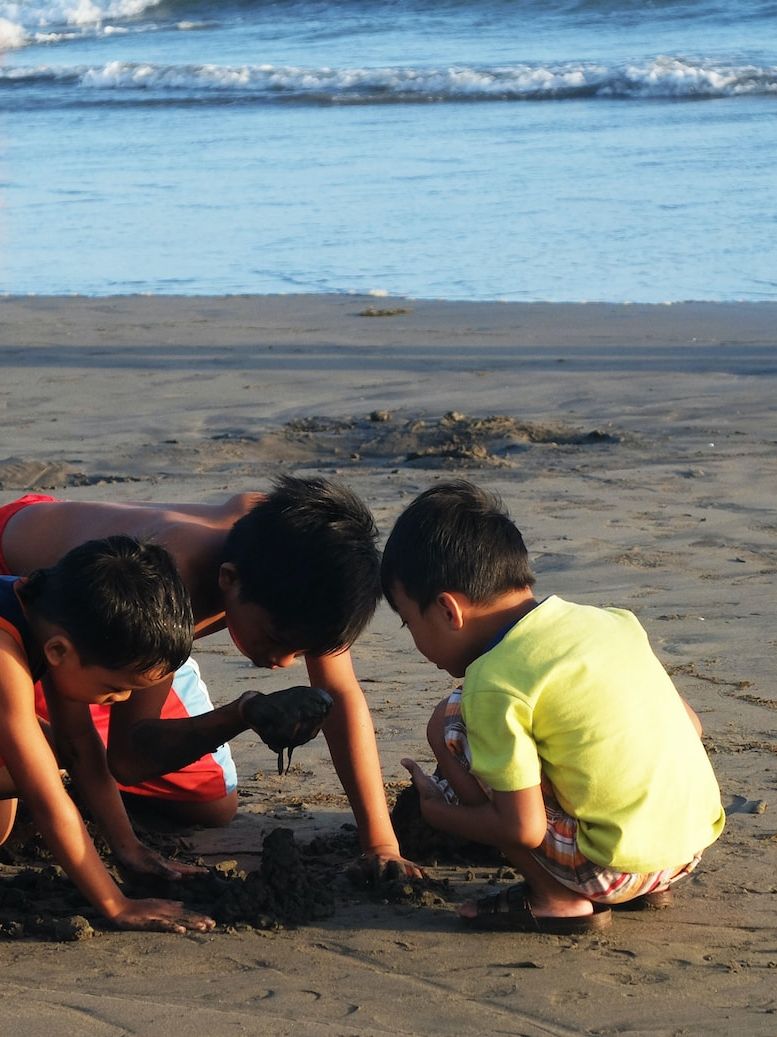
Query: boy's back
pixel 39 536
pixel 590 708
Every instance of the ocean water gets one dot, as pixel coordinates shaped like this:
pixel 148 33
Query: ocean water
pixel 619 150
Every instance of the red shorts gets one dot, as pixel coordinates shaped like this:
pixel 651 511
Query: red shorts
pixel 7 512
pixel 210 778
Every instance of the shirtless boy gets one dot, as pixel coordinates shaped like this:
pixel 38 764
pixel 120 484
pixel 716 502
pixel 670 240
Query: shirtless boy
pixel 293 573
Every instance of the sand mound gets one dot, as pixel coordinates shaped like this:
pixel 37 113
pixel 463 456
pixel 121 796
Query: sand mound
pixel 454 439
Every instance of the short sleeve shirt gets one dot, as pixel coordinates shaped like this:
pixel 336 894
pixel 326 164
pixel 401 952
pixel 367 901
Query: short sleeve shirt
pixel 575 694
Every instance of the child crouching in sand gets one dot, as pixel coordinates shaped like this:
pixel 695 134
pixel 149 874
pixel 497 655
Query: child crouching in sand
pixel 111 619
pixel 568 747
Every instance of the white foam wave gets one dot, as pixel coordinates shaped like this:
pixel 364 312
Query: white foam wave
pixel 12 35
pixel 48 21
pixel 41 15
pixel 660 78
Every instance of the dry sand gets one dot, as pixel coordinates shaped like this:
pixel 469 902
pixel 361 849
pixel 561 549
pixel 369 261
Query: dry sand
pixel 637 449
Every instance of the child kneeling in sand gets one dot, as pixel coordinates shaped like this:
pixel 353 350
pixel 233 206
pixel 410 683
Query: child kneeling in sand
pixel 568 747
pixel 111 619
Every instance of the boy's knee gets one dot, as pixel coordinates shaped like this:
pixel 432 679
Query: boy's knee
pixel 435 729
pixel 218 812
pixel 212 813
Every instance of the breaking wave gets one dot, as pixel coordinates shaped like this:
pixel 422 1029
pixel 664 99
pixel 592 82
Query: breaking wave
pixel 123 82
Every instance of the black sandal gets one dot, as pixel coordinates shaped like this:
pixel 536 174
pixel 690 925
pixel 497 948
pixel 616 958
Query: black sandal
pixel 658 900
pixel 509 910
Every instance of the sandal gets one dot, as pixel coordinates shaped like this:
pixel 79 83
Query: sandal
pixel 510 910
pixel 658 900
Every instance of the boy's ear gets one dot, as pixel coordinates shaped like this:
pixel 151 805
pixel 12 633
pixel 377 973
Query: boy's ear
pixel 58 649
pixel 452 608
pixel 228 578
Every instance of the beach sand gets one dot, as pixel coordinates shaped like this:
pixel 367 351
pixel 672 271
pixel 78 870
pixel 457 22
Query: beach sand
pixel 636 447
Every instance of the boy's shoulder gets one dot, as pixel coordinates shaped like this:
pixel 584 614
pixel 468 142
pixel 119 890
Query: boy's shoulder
pixel 16 637
pixel 11 613
pixel 556 628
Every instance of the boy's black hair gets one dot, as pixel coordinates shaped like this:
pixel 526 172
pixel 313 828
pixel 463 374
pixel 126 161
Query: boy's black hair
pixel 455 537
pixel 308 555
pixel 121 602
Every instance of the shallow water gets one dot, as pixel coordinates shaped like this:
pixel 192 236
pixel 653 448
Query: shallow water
pixel 606 149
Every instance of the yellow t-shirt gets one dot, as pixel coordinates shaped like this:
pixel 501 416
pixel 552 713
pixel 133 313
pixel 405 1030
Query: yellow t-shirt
pixel 575 693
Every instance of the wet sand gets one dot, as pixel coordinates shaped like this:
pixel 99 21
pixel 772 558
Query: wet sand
pixel 636 447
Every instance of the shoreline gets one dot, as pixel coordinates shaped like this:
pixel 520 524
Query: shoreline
pixel 734 337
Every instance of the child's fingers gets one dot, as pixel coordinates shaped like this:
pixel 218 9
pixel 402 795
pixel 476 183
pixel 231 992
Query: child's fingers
pixel 420 778
pixel 201 923
pixel 179 870
pixel 150 863
pixel 187 871
pixel 411 870
pixel 162 916
pixel 426 785
pixel 164 925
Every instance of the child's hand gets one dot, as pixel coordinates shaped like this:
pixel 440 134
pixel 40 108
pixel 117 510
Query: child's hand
pixel 377 865
pixel 287 718
pixel 427 787
pixel 161 916
pixel 140 861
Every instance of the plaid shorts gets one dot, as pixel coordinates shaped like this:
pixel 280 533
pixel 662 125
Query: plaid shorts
pixel 558 854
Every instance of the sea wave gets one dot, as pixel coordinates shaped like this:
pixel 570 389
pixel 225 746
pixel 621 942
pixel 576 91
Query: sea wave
pixel 57 21
pixel 25 22
pixel 121 82
pixel 43 15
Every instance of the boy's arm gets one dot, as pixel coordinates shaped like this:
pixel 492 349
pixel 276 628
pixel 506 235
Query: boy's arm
pixel 33 768
pixel 507 819
pixel 351 738
pixel 142 745
pixel 82 754
pixel 693 717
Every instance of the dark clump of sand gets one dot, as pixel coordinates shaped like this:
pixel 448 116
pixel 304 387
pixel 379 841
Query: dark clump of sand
pixel 42 903
pixel 38 899
pixel 294 885
pixel 289 888
pixel 283 891
pixel 339 853
pixel 421 843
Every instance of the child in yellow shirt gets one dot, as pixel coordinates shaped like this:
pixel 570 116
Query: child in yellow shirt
pixel 568 747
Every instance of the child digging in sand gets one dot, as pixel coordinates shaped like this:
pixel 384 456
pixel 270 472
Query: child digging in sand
pixel 568 746
pixel 108 621
pixel 295 572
